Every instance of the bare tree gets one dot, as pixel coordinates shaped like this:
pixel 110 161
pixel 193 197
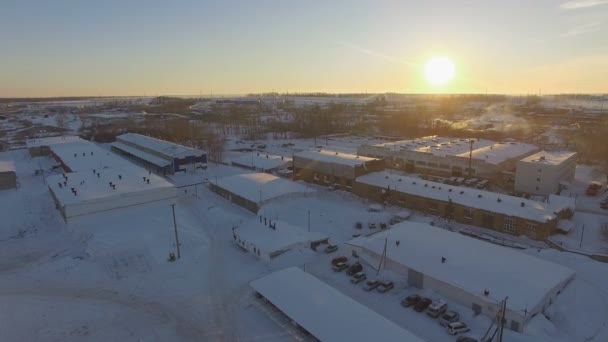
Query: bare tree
pixel 215 147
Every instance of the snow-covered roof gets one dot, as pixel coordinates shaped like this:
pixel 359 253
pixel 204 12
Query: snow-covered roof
pixel 52 141
pixel 500 152
pixel 89 186
pixel 167 148
pixel 334 157
pixel 85 155
pixel 7 166
pixel 151 158
pixel 325 312
pixel 471 264
pixel 262 161
pixel 259 187
pixel 282 238
pixel 489 151
pixel 565 225
pixel 474 198
pixel 549 157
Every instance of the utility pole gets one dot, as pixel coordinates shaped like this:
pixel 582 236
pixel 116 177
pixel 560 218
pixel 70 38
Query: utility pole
pixel 502 319
pixel 382 258
pixel 470 156
pixel 175 229
pixel 580 245
pixel 309 221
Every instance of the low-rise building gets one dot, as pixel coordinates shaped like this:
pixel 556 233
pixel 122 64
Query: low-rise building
pixel 543 172
pixel 158 155
pixel 471 272
pixel 332 168
pixel 499 212
pixel 252 190
pixel 267 239
pixel 444 156
pixel 262 162
pixel 42 146
pixel 8 175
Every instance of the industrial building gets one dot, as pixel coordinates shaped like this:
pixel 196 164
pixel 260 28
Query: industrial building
pixel 262 162
pixel 323 311
pixel 251 190
pixel 42 146
pixel 158 155
pixel 474 273
pixel 267 239
pixel 499 212
pixel 8 175
pixel 542 173
pixel 332 168
pixel 445 156
pixel 97 180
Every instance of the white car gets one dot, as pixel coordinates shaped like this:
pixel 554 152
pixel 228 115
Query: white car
pixel 358 277
pixel 437 308
pixel 457 328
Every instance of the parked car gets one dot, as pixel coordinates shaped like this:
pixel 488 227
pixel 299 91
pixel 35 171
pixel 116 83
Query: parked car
pixel 384 286
pixel 482 184
pixel 383 225
pixel 593 188
pixel 604 203
pixel 359 225
pixel 436 308
pixel 370 285
pixel 457 328
pixel 339 267
pixel 448 317
pixel 358 277
pixel 371 225
pixel 410 300
pixel 466 339
pixel 422 304
pixel 330 249
pixel 339 259
pixel 354 268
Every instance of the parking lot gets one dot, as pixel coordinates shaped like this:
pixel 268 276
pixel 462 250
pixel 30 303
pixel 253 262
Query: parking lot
pixel 388 303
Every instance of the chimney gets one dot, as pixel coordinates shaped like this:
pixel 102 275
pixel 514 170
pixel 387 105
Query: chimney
pixel 148 180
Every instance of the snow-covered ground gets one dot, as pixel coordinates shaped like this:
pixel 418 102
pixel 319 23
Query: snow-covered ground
pixel 106 276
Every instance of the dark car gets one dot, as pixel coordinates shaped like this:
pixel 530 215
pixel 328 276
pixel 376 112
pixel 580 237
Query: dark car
pixel 331 248
pixel 383 225
pixel 370 285
pixel 339 267
pixel 593 189
pixel 359 225
pixel 422 304
pixel 465 339
pixel 385 286
pixel 410 300
pixel 354 268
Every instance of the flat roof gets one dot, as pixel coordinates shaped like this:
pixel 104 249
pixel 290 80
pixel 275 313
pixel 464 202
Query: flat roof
pixel 7 166
pixel 264 186
pixel 471 264
pixel 325 312
pixel 89 186
pixel 549 157
pixel 151 158
pixel 334 157
pixel 52 141
pixel 262 160
pixel 85 155
pixel 161 146
pixel 283 237
pixel 474 198
pixel 489 151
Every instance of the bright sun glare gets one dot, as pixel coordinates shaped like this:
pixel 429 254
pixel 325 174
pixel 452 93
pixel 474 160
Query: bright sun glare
pixel 439 70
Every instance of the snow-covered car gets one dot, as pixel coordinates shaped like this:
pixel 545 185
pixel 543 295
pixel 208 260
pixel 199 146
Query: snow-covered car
pixel 437 308
pixel 330 249
pixel 371 225
pixel 339 267
pixel 466 339
pixel 410 300
pixel 422 304
pixel 358 277
pixel 354 268
pixel 370 285
pixel 457 328
pixel 385 286
pixel 448 317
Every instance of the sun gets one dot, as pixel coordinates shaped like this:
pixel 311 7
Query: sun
pixel 439 70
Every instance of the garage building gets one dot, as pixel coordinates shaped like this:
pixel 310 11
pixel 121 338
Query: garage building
pixel 474 273
pixel 8 175
pixel 323 311
pixel 251 190
pixel 41 146
pixel 542 172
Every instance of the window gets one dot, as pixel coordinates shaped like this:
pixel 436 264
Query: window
pixel 315 176
pixel 349 183
pixel 432 164
pixel 325 178
pixel 540 170
pixel 433 206
pixel 538 179
pixel 421 162
pixel 467 213
pixel 531 226
pixel 537 188
pixel 509 225
pixel 444 166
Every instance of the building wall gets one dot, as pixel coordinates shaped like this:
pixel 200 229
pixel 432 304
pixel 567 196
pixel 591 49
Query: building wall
pixel 149 166
pixel 178 164
pixel 543 179
pixel 459 213
pixel 8 180
pixel 236 199
pixel 331 174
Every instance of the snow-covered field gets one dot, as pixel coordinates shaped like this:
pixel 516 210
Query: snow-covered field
pixel 106 277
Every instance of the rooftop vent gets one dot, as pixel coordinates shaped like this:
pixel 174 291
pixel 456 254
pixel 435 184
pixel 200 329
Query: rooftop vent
pixel 461 192
pixel 426 185
pixel 433 187
pixel 523 204
pixel 385 177
pixel 542 157
pixel 399 179
pixel 449 190
pixel 479 196
pixel 498 200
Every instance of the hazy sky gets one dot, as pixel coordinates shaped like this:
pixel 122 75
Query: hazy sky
pixel 80 47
